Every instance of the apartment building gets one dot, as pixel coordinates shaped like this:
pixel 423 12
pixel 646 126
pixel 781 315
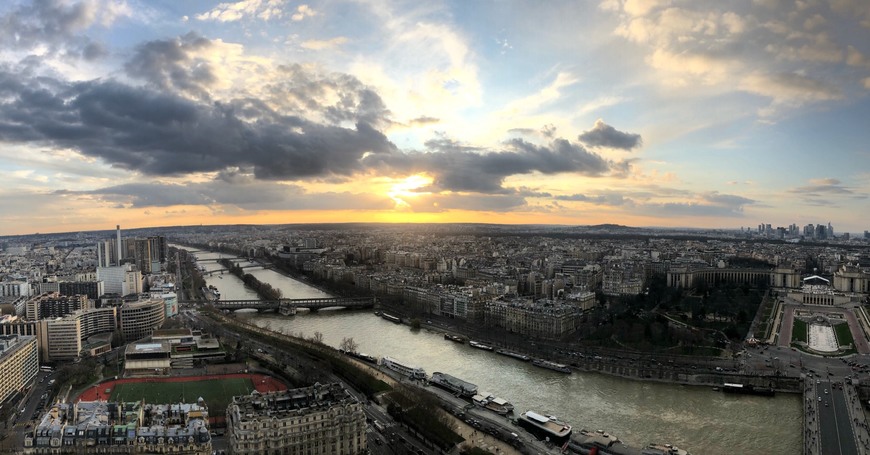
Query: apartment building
pixel 316 420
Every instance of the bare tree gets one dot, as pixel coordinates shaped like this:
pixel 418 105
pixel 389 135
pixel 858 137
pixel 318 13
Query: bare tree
pixel 348 345
pixel 317 338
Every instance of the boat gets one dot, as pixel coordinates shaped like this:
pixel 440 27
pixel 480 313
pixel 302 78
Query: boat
pixel 455 338
pixel 547 428
pixel 360 355
pixel 663 449
pixel 599 438
pixel 551 365
pixel 453 384
pixel 391 318
pixel 515 355
pixel 479 345
pixel 493 403
pixel 747 389
pixel 406 370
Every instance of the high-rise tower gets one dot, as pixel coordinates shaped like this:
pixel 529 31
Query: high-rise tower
pixel 118 242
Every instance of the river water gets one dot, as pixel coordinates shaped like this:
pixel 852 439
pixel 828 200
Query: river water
pixel 695 418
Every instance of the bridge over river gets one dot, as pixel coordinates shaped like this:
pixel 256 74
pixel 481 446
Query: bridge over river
pixel 289 306
pixel 249 266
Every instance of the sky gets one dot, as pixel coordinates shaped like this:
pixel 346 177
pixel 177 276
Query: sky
pixel 644 113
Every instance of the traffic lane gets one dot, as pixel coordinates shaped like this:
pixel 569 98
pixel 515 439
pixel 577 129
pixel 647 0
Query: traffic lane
pixel 844 422
pixel 828 433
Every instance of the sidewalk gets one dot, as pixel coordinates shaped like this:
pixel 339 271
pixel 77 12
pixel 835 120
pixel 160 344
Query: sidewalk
pixel 811 423
pixel 859 420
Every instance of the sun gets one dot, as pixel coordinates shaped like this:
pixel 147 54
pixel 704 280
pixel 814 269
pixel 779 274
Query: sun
pixel 404 189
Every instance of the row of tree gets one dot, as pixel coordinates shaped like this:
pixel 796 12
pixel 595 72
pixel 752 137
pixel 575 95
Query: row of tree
pixel 264 290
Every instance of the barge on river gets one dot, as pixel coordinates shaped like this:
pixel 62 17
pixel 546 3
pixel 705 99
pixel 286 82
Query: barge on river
pixel 409 371
pixel 453 384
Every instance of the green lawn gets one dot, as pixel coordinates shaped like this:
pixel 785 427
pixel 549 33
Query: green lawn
pixel 217 393
pixel 799 331
pixel 844 334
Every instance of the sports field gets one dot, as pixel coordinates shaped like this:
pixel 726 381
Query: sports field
pixel 217 393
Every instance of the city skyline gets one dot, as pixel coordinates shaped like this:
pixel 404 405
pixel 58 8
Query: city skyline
pixel 641 113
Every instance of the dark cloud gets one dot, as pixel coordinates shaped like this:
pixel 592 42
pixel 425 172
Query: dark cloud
pixel 250 195
pixel 458 167
pixel 94 51
pixel 175 64
pixel 164 134
pixel 604 135
pixel 57 26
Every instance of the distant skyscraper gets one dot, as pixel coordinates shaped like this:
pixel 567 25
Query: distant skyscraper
pixel 118 240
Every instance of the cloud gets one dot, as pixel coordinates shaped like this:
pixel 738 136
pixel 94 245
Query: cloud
pixel 660 202
pixel 156 133
pixel 435 202
pixel 703 49
pixel 177 64
pixel 159 133
pixel 245 9
pixel 303 11
pixel 712 204
pixel 462 168
pixel 319 45
pixel 829 186
pixel 57 26
pixel 424 120
pixel 246 195
pixel 610 199
pixel 604 135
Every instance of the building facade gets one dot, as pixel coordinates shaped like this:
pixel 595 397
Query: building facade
pixel 64 338
pixel 19 363
pixel 538 319
pixel 139 319
pixel 100 427
pixel 316 420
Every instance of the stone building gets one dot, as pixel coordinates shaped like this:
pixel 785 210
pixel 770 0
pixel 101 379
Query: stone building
pixel 316 420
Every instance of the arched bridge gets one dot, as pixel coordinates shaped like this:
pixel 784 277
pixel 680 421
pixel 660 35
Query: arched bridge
pixel 232 258
pixel 289 306
pixel 249 266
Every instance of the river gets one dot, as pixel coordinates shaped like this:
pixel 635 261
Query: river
pixel 695 418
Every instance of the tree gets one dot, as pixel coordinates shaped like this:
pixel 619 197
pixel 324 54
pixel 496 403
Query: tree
pixel 317 338
pixel 348 345
pixel 415 324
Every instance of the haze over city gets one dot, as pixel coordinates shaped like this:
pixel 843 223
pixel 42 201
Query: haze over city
pixel 643 113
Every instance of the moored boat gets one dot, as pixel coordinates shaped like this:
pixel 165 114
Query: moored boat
pixel 391 318
pixel 455 338
pixel 453 384
pixel 551 365
pixel 515 355
pixel 478 345
pixel 663 449
pixel 493 403
pixel 747 389
pixel 548 428
pixel 412 372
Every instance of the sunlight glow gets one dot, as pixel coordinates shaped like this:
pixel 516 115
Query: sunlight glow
pixel 404 189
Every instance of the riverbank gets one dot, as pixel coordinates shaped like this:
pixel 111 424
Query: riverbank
pixel 644 368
